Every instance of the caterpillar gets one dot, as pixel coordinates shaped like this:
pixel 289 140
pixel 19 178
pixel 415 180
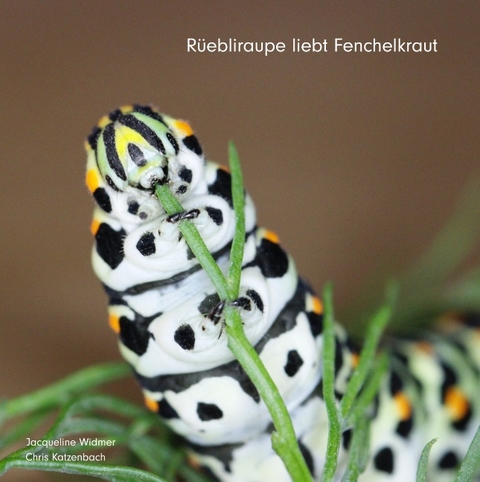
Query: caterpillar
pixel 170 326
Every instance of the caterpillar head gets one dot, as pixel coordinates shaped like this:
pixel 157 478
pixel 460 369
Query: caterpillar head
pixel 136 147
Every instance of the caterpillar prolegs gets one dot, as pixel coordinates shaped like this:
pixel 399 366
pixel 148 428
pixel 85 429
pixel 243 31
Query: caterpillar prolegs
pixel 168 318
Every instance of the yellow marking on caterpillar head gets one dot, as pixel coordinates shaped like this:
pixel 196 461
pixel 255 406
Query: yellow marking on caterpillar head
pixel 403 405
pixel 183 127
pixel 126 137
pixel 317 307
pixel 114 322
pixel 271 236
pixel 93 180
pixel 456 403
pixel 151 404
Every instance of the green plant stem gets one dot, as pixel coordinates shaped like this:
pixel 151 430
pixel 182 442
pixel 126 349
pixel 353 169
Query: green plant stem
pixel 358 450
pixel 423 462
pixel 471 461
pixel 238 243
pixel 106 472
pixel 367 356
pixel 284 440
pixel 371 388
pixel 194 241
pixel 334 427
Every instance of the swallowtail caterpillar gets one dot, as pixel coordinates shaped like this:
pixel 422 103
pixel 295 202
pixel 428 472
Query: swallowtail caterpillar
pixel 168 319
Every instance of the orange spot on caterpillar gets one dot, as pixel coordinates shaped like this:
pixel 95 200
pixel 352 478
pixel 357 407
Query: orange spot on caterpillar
pixel 183 127
pixel 425 347
pixel 456 403
pixel 125 109
pixel 355 359
pixel 93 180
pixel 193 461
pixel 224 168
pixel 404 407
pixel 114 322
pixel 271 236
pixel 94 226
pixel 317 305
pixel 151 404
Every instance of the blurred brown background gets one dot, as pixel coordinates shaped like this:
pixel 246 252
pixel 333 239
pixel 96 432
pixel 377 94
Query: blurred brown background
pixel 354 159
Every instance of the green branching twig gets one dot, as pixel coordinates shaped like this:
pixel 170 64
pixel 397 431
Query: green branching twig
pixel 283 440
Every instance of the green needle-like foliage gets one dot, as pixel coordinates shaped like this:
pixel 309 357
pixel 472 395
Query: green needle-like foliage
pixel 470 465
pixel 423 462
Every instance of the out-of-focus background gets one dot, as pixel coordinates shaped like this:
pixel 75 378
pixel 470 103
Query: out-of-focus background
pixel 354 159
